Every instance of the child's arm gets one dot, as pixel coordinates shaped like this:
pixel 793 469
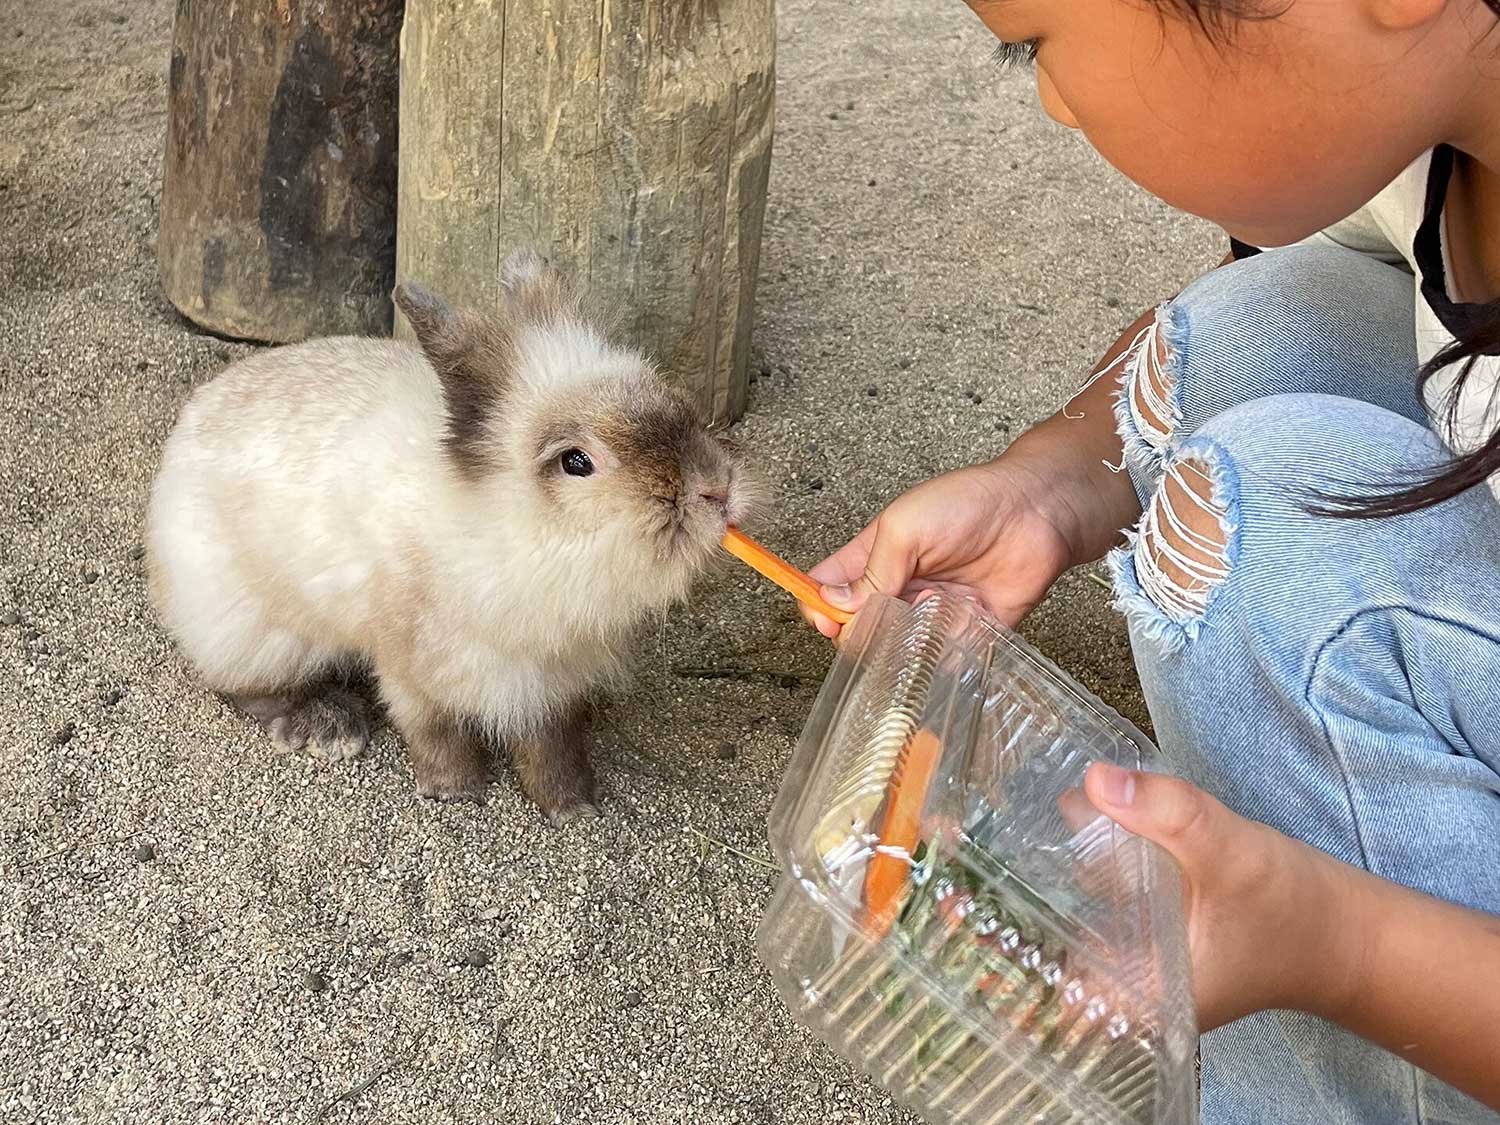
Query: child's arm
pixel 1275 923
pixel 1428 985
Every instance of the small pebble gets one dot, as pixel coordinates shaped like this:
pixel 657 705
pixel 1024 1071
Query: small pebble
pixel 478 957
pixel 727 751
pixel 490 914
pixel 314 981
pixel 975 397
pixel 91 576
pixel 833 117
pixel 904 362
pixel 10 617
pixel 870 390
pixel 142 364
pixel 631 999
pixel 137 553
pixel 849 106
pixel 816 484
pixel 144 853
pixel 1112 302
pixel 872 182
pixel 112 696
pixel 64 734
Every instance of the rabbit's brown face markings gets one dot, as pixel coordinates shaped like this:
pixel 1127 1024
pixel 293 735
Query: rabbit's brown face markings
pixel 610 451
pixel 646 463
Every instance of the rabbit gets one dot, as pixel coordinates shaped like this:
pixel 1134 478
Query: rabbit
pixel 482 522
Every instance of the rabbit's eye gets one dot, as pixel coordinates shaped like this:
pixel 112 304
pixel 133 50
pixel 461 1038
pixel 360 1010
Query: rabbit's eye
pixel 576 463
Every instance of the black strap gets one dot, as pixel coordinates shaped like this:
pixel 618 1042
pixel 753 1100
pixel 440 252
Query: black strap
pixel 1459 318
pixel 1241 250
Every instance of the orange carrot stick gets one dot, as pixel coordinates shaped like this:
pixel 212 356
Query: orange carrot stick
pixel 886 875
pixel 783 573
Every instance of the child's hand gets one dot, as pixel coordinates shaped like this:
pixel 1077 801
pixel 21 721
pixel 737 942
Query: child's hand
pixel 1268 916
pixel 980 531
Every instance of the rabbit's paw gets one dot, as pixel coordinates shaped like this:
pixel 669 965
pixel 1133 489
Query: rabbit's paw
pixel 450 762
pixel 567 814
pixel 554 770
pixel 331 724
pixel 462 784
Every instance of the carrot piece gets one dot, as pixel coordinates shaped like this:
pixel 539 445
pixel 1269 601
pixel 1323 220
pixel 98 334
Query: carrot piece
pixel 886 875
pixel 783 573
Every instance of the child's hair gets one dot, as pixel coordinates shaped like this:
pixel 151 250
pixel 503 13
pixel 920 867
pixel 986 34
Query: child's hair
pixel 1479 337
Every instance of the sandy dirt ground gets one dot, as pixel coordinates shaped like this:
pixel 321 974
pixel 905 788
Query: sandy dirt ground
pixel 195 926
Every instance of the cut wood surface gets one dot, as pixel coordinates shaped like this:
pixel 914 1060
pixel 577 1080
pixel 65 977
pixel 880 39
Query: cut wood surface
pixel 278 202
pixel 629 141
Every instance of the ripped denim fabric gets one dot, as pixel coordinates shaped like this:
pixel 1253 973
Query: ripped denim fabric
pixel 1337 679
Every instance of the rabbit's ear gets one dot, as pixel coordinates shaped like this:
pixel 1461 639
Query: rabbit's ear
pixel 535 291
pixel 522 267
pixel 473 362
pixel 429 315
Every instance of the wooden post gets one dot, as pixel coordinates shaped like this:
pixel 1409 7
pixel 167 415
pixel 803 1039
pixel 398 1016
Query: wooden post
pixel 629 141
pixel 278 205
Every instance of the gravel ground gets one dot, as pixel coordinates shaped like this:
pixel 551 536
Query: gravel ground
pixel 194 926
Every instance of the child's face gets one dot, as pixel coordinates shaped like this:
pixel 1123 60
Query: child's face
pixel 1274 131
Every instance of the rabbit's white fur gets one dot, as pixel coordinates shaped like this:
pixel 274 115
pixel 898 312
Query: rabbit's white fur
pixel 308 514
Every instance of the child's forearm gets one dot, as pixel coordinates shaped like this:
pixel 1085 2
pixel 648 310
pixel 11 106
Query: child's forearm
pixel 1422 979
pixel 1078 445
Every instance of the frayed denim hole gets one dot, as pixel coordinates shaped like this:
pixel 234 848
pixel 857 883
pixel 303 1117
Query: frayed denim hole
pixel 1177 570
pixel 1131 602
pixel 1148 436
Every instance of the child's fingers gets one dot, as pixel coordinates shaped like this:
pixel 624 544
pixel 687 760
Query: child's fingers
pixel 1195 828
pixel 847 563
pixel 887 566
pixel 825 625
pixel 838 570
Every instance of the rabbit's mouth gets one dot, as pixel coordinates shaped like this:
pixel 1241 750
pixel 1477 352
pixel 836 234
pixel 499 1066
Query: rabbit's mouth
pixel 693 527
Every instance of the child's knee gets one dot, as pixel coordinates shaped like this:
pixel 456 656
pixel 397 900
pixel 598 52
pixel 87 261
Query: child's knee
pixel 1237 506
pixel 1295 321
pixel 1184 549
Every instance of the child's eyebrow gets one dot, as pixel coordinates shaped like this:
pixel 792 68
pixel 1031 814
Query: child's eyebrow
pixel 1015 54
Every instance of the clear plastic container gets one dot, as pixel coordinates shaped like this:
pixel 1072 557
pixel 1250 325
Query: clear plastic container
pixel 954 917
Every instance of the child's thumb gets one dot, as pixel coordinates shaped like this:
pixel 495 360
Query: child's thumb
pixel 1183 819
pixel 887 571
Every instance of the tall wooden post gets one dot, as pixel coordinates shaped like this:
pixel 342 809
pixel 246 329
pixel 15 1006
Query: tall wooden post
pixel 278 207
pixel 627 140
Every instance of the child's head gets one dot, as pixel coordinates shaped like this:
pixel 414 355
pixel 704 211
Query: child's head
pixel 1272 118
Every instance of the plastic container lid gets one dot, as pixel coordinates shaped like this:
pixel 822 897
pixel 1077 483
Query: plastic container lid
pixel 954 916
